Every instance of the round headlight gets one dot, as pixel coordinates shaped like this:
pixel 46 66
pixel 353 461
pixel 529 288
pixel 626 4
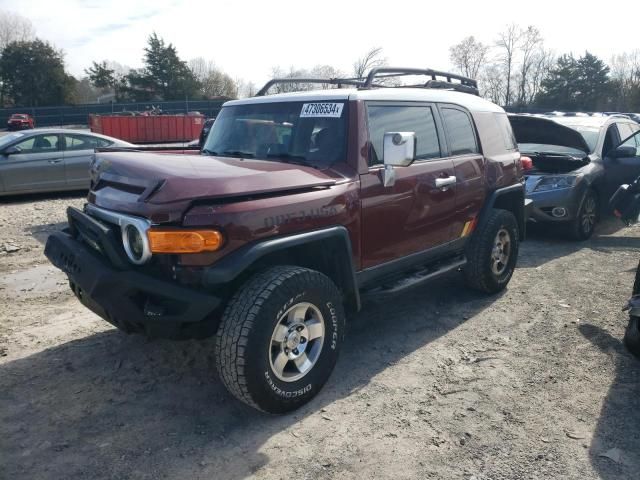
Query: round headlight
pixel 136 245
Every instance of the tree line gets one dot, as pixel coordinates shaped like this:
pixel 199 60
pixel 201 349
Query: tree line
pixel 515 69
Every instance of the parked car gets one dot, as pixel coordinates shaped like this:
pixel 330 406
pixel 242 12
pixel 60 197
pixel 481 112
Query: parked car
pixel 301 205
pixel 578 162
pixel 46 160
pixel 634 116
pixel 205 131
pixel 20 121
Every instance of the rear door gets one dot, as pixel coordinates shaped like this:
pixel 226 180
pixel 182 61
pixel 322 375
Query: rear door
pixel 413 215
pixel 78 152
pixel 38 166
pixel 468 164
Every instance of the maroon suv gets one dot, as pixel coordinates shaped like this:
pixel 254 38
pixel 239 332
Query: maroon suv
pixel 300 205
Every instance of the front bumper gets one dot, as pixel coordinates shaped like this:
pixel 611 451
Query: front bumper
pixel 544 202
pixel 130 299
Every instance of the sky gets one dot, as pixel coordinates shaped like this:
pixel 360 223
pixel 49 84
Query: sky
pixel 246 38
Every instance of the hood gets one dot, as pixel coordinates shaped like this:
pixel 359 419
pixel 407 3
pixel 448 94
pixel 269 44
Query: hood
pixel 162 178
pixel 528 129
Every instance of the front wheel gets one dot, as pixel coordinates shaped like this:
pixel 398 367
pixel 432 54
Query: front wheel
pixel 492 253
pixel 584 224
pixel 279 338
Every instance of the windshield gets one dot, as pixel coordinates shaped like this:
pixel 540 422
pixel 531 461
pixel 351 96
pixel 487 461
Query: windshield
pixel 7 139
pixel 298 132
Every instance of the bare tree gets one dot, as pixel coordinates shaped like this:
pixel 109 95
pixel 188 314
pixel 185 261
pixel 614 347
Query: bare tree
pixel 507 43
pixel 530 46
pixel 214 82
pixel 468 56
pixel 625 76
pixel 14 28
pixel 492 83
pixel 372 59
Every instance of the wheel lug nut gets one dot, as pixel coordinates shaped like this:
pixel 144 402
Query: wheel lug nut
pixel 295 351
pixel 303 340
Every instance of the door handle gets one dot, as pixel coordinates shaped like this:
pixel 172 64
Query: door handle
pixel 55 160
pixel 443 183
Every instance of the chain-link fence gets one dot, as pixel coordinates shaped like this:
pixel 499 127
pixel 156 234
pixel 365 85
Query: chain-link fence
pixel 79 114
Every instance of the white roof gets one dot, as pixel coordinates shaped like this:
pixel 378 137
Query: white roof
pixel 471 102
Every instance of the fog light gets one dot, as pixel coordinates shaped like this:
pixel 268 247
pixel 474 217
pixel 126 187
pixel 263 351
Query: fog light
pixel 559 212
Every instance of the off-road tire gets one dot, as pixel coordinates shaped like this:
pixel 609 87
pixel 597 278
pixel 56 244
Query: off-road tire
pixel 577 230
pixel 478 269
pixel 244 339
pixel 632 336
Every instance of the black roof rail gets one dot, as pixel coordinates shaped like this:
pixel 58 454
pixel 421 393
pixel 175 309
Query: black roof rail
pixel 332 81
pixel 446 80
pixel 438 80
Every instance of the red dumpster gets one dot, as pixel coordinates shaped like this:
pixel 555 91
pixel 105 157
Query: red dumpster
pixel 149 128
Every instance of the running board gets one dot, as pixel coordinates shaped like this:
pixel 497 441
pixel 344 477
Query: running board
pixel 416 278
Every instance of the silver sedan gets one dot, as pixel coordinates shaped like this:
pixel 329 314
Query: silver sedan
pixel 48 160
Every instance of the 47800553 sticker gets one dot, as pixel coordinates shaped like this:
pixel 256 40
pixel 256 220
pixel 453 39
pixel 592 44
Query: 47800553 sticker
pixel 330 110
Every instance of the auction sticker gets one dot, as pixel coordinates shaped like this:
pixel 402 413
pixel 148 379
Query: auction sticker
pixel 332 110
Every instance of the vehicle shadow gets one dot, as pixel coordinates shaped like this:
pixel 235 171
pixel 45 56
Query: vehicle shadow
pixel 545 244
pixel 615 448
pixel 117 406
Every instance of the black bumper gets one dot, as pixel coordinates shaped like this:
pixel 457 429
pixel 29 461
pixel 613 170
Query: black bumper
pixel 129 299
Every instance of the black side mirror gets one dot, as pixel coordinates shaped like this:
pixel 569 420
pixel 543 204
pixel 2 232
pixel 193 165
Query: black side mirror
pixel 12 150
pixel 624 152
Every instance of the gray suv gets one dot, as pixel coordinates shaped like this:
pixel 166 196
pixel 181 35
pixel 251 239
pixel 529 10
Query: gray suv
pixel 576 162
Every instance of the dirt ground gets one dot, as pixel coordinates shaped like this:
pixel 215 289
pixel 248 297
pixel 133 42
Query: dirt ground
pixel 438 382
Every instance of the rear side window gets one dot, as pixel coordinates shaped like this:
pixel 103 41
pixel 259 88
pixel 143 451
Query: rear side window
pixel 403 118
pixel 84 142
pixel 505 130
pixel 460 132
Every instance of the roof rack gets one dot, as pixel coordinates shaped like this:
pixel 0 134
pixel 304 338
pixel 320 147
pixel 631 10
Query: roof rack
pixel 378 76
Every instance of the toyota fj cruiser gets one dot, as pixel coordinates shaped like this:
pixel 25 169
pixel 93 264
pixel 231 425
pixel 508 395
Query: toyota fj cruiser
pixel 300 205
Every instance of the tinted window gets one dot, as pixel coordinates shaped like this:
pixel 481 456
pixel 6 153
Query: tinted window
pixel 397 118
pixel 459 131
pixel 39 144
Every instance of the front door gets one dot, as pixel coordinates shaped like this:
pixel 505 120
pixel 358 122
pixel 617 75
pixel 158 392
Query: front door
pixel 623 169
pixel 413 215
pixel 37 165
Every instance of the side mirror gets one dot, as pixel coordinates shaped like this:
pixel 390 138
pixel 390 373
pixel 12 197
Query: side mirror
pixel 12 150
pixel 624 152
pixel 398 150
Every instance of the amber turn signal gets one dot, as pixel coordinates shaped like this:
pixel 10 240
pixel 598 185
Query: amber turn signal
pixel 184 241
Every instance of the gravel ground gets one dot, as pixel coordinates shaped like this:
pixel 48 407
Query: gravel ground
pixel 438 382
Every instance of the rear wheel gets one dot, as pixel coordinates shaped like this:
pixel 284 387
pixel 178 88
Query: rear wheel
pixel 584 224
pixel 279 338
pixel 492 253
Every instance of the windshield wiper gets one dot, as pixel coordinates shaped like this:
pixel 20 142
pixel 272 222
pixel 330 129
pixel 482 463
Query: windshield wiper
pixel 228 153
pixel 288 158
pixel 237 153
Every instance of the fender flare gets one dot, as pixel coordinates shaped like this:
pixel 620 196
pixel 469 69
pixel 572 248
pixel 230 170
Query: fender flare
pixel 234 264
pixel 519 210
